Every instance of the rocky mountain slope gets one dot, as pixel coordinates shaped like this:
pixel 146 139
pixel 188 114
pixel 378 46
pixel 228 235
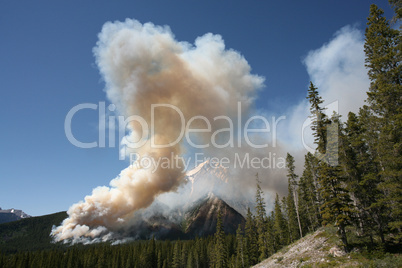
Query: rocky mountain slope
pixel 321 249
pixel 207 178
pixel 310 250
pixel 9 215
pixel 199 219
pixel 192 211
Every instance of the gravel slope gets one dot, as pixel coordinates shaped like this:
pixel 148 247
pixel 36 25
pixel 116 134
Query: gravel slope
pixel 310 251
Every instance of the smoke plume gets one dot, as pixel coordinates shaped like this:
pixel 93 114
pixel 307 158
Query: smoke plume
pixel 143 65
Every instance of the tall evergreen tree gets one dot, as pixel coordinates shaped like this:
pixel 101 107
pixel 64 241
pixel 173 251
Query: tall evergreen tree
pixel 239 248
pixel 318 118
pixel 280 230
pixel 176 262
pixel 270 236
pixel 295 229
pixel 221 258
pixel 190 260
pixel 375 196
pixel 361 173
pixel 308 193
pixel 336 208
pixel 285 213
pixel 383 48
pixel 383 57
pixel 260 221
pixel 251 240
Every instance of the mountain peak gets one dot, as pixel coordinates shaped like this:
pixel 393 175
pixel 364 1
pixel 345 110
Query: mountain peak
pixel 196 169
pixel 201 218
pixel 8 215
pixel 211 179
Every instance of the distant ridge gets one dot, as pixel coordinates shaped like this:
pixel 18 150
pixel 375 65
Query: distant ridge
pixel 9 215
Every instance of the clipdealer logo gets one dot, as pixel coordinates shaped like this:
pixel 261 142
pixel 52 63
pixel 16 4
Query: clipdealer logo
pixel 236 135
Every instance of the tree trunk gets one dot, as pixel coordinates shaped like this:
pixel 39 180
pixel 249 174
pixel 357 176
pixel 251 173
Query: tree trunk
pixel 344 239
pixel 297 212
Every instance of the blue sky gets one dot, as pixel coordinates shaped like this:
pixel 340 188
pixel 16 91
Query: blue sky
pixel 47 67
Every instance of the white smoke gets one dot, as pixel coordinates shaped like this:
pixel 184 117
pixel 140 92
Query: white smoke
pixel 337 69
pixel 143 65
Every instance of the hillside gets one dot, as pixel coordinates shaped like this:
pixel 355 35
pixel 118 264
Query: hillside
pixel 29 234
pixel 321 249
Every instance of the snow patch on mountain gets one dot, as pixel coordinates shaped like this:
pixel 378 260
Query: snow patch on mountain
pixel 211 178
pixel 8 215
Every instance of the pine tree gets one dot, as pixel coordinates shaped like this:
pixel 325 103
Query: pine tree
pixel 285 213
pixel 307 200
pixel 270 236
pixel 260 222
pixel 251 240
pixel 240 248
pixel 184 254
pixel 383 57
pixel 280 232
pixel 310 197
pixel 318 118
pixel 150 255
pixel 337 204
pixel 361 173
pixel 198 256
pixel 383 48
pixel 295 229
pixel 176 262
pixel 371 178
pixel 190 262
pixel 221 259
pixel 160 260
pixel 303 208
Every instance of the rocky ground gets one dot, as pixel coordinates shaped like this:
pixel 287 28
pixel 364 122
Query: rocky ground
pixel 319 249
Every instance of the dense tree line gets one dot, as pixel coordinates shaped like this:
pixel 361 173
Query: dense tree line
pixel 352 181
